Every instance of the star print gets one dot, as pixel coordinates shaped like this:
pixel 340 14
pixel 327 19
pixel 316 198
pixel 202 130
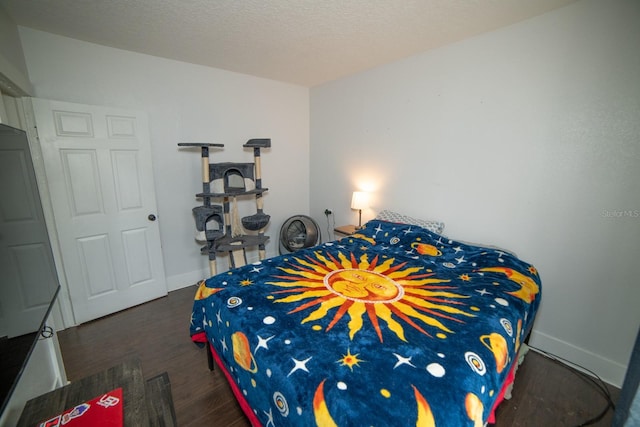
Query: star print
pixel 300 364
pixel 269 417
pixel 219 317
pixel 378 229
pixel 407 231
pixel 483 292
pixel 457 249
pixel 350 360
pixel 439 241
pixel 402 361
pixel 256 269
pixel 461 259
pixel 224 344
pixel 262 343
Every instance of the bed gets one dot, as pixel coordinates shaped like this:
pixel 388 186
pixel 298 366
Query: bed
pixel 395 325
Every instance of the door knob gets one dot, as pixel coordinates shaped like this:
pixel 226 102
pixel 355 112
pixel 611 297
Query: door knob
pixel 151 217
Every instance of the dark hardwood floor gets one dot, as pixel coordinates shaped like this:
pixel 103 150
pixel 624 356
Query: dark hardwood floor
pixel 546 393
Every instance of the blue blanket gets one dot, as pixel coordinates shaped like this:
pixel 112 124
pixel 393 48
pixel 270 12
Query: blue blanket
pixel 393 326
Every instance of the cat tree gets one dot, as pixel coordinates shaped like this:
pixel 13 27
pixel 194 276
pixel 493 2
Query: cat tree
pixel 217 224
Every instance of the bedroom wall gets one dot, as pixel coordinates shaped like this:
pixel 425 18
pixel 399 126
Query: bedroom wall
pixel 186 102
pixel 13 69
pixel 527 138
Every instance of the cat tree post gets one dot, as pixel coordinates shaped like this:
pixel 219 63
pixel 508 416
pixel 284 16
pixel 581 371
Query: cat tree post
pixel 257 144
pixel 205 174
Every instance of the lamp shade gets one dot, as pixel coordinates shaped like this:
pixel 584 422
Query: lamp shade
pixel 360 200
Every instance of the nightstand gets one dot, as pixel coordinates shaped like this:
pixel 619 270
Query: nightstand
pixel 345 230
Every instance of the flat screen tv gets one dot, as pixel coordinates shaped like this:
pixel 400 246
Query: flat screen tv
pixel 28 279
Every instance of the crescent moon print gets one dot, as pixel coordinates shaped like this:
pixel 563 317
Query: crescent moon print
pixel 323 417
pixel 204 292
pixel 320 410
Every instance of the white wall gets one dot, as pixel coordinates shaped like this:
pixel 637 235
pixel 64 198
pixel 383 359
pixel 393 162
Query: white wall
pixel 186 103
pixel 526 137
pixel 13 69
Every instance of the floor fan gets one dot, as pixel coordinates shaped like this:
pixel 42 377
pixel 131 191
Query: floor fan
pixel 298 232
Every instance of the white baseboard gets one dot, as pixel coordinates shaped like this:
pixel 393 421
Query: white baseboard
pixel 610 371
pixel 180 281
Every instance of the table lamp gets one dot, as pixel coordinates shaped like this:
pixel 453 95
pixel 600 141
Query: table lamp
pixel 359 201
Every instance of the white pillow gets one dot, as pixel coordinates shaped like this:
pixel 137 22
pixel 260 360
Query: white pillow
pixel 391 216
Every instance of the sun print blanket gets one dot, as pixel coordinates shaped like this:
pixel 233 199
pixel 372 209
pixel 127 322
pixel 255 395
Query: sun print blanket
pixel 393 326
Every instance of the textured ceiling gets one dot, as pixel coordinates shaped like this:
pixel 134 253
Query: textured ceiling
pixel 305 42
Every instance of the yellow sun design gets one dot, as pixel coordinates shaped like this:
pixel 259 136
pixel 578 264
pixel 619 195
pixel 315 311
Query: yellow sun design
pixel 246 282
pixel 533 270
pixel 465 277
pixel 377 289
pixel 350 360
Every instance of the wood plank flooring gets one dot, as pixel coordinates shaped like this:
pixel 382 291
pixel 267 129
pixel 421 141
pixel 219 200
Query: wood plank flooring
pixel 546 393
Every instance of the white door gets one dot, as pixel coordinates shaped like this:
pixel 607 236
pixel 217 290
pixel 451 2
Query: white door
pixel 98 169
pixel 27 274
